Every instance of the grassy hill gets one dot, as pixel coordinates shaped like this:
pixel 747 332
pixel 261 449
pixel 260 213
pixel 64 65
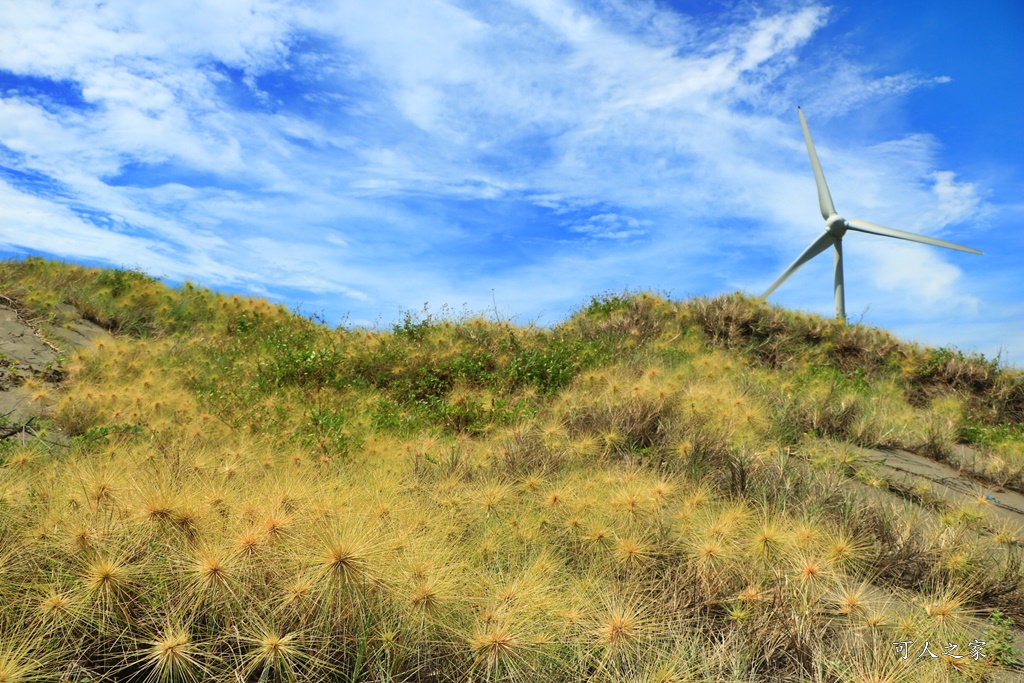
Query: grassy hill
pixel 652 490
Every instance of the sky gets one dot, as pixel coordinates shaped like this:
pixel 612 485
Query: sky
pixel 357 159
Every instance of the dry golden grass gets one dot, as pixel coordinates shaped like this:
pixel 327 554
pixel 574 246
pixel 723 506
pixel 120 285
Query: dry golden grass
pixel 247 496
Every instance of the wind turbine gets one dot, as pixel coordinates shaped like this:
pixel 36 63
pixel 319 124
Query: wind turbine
pixel 836 226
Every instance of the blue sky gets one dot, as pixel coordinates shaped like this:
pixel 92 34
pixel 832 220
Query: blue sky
pixel 361 158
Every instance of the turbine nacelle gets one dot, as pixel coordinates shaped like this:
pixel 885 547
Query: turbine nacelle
pixel 836 226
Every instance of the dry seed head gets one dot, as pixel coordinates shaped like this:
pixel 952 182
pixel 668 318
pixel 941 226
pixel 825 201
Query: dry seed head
pixel 212 571
pixel 187 520
pixel 344 561
pixel 249 542
pixel 382 512
pixel 629 503
pixel 495 645
pixel 55 603
pixel 949 608
pixel 572 617
pixel 853 600
pixel 273 650
pixel 613 440
pixel 420 569
pixel 105 578
pixel 56 606
pixel 586 446
pixel 157 509
pixel 101 490
pixel 42 532
pixel 618 630
pixel 82 537
pixel 491 496
pixel 554 434
pixel 532 483
pixel 276 526
pixel 662 489
pixel 751 593
pixel 426 597
pixel 509 593
pixel 630 553
pixel 619 627
pixel 724 525
pixel 172 657
pixel 218 501
pixel 710 550
pixel 448 486
pixel 956 561
pixel 698 498
pixel 733 516
pixel 1008 534
pixel 805 534
pixel 597 535
pixel 768 541
pixel 574 524
pixel 298 592
pixel 874 619
pixel 487 548
pixel 812 571
pixel 21 460
pixel 846 552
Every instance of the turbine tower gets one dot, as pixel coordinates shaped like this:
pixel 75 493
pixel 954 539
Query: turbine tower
pixel 836 226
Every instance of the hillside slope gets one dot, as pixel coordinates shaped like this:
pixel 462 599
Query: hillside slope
pixel 214 488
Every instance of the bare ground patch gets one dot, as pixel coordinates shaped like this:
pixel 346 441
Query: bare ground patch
pixel 30 365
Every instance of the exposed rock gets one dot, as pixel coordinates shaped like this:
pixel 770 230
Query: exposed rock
pixel 911 470
pixel 30 364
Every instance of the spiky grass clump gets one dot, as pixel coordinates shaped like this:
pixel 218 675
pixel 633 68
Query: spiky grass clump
pixel 274 654
pixel 651 491
pixel 106 579
pixel 171 657
pixel 500 651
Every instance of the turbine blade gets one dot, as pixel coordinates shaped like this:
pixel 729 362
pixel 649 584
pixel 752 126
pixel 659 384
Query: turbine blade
pixel 875 229
pixel 824 198
pixel 819 245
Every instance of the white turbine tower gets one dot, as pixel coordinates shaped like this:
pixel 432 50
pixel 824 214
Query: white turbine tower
pixel 836 226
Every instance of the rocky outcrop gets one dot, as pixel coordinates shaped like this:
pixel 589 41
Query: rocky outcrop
pixel 30 364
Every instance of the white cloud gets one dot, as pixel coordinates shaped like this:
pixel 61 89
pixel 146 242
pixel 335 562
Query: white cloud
pixel 412 147
pixel 956 201
pixel 55 229
pixel 918 273
pixel 611 226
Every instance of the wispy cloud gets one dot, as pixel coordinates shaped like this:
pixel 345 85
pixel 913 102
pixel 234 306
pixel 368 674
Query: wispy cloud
pixel 376 155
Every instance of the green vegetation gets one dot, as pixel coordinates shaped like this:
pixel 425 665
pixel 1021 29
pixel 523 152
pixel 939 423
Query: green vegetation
pixel 650 491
